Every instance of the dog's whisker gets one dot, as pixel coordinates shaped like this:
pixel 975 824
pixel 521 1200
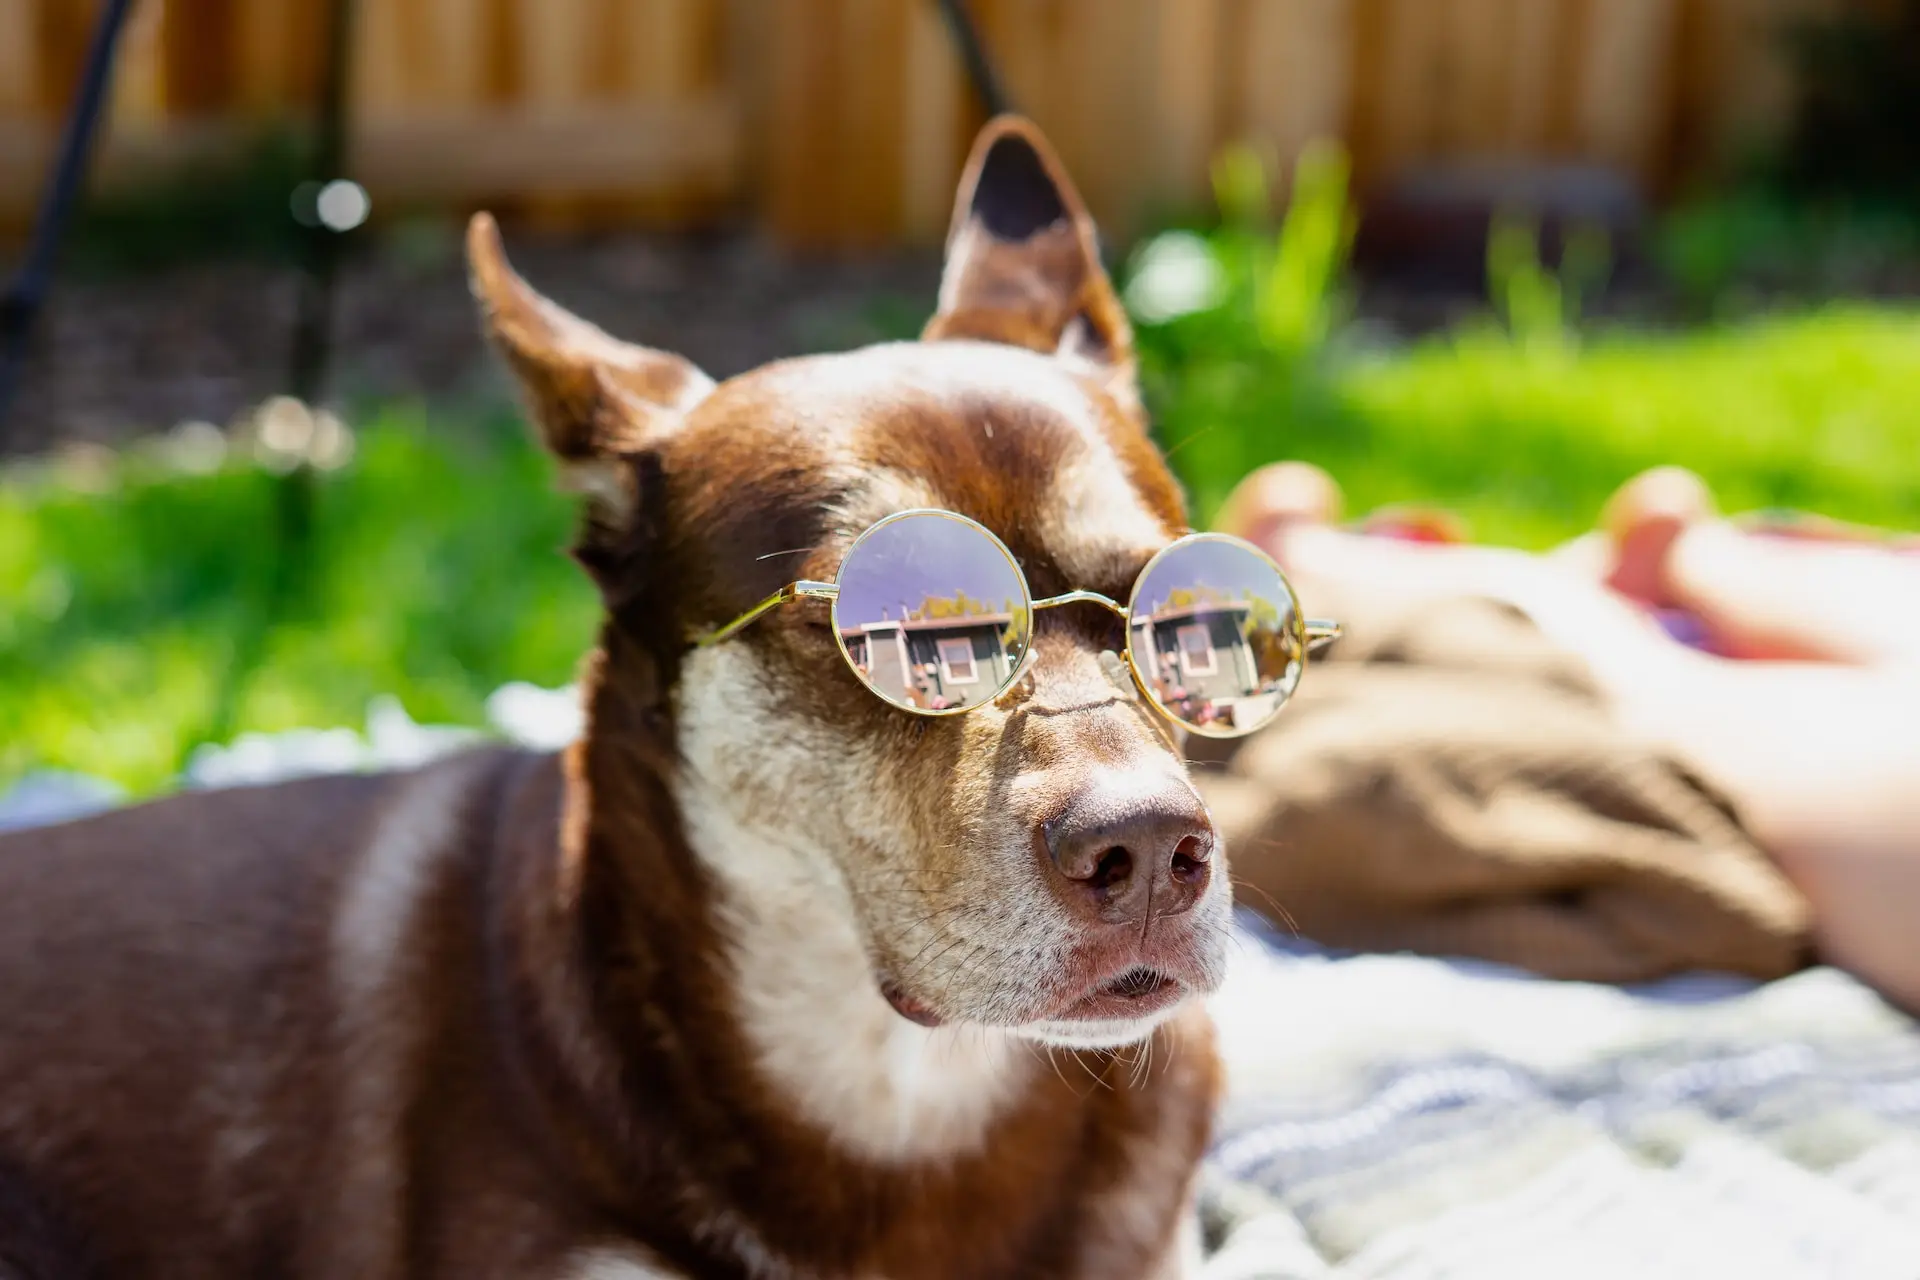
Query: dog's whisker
pixel 1192 436
pixel 1142 1067
pixel 1099 1079
pixel 1285 917
pixel 916 970
pixel 912 928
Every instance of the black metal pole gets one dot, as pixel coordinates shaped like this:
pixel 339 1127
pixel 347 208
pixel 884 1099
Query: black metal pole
pixel 320 247
pixel 974 55
pixel 20 306
pixel 310 362
pixel 311 358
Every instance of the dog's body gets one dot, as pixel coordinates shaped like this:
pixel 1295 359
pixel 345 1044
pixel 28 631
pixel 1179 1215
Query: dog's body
pixel 760 978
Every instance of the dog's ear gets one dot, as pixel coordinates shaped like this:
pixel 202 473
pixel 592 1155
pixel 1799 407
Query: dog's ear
pixel 1023 259
pixel 595 399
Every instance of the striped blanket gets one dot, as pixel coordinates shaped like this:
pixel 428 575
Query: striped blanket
pixel 1397 1116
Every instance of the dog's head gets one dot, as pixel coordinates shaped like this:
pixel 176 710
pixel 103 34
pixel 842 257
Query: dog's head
pixel 1040 863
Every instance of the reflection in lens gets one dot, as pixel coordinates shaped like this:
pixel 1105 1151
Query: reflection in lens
pixel 1215 635
pixel 932 612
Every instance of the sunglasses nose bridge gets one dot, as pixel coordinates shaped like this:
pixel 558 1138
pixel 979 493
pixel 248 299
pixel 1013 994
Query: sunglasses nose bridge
pixel 1123 672
pixel 1082 597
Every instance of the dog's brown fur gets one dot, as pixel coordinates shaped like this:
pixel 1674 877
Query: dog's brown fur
pixel 514 1015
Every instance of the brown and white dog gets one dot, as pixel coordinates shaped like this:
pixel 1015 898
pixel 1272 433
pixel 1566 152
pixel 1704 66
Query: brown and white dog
pixel 763 977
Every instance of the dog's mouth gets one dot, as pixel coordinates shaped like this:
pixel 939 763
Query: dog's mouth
pixel 1138 983
pixel 909 1008
pixel 1138 992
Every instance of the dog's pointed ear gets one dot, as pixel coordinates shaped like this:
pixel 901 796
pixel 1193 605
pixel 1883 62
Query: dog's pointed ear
pixel 595 399
pixel 1023 259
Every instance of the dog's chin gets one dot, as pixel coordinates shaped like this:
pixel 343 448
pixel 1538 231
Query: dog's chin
pixel 1121 1011
pixel 1109 990
pixel 1097 1021
pixel 1095 1034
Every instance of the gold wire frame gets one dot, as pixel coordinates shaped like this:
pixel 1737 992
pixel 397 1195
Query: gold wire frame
pixel 1308 634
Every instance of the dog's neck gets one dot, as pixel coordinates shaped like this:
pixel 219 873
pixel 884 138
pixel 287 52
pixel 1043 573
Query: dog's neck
pixel 690 1021
pixel 748 936
pixel 880 1087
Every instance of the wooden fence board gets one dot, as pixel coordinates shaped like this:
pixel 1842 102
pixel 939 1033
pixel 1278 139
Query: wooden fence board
pixel 275 73
pixel 1187 114
pixel 932 118
pixel 1538 27
pixel 1623 95
pixel 1411 83
pixel 845 120
pixel 19 65
pixel 869 118
pixel 1480 52
pixel 198 47
pixel 457 159
pixel 148 71
pixel 1296 79
pixel 802 157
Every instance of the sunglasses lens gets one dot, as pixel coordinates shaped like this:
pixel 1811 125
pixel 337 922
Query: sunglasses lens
pixel 932 612
pixel 1216 636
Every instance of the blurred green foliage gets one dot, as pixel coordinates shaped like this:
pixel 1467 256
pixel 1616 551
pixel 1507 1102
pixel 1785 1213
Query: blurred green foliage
pixel 1523 422
pixel 127 584
pixel 1740 251
pixel 437 575
pixel 224 207
pixel 1541 307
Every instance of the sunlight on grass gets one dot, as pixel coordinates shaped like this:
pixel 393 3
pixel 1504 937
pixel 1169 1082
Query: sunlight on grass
pixel 1818 412
pixel 1522 422
pixel 437 575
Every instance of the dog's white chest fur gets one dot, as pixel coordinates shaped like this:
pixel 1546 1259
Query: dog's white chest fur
pixel 882 1087
pixel 610 1264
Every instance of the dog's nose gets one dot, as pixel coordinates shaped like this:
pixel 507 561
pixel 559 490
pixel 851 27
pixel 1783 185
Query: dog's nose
pixel 1115 861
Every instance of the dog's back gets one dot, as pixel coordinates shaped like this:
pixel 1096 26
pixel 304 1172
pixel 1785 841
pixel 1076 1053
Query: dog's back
pixel 204 968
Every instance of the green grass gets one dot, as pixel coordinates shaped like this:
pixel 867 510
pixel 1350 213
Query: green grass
pixel 1525 421
pixel 437 575
pixel 1819 411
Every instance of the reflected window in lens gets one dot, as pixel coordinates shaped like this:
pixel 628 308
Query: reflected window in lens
pixel 956 661
pixel 1196 648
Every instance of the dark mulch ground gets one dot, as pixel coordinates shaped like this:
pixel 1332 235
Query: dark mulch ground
pixel 120 356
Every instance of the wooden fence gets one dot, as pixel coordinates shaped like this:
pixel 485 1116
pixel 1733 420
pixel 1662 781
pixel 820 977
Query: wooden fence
pixel 845 121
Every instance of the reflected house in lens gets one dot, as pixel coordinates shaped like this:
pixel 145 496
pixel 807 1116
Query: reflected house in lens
pixel 1215 658
pixel 949 652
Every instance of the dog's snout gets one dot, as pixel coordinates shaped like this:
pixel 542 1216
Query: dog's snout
pixel 1116 862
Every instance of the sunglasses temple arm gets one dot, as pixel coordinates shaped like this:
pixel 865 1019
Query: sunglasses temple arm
pixel 792 591
pixel 1321 633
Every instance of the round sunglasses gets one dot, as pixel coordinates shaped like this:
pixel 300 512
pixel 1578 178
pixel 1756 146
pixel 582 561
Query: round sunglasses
pixel 934 615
